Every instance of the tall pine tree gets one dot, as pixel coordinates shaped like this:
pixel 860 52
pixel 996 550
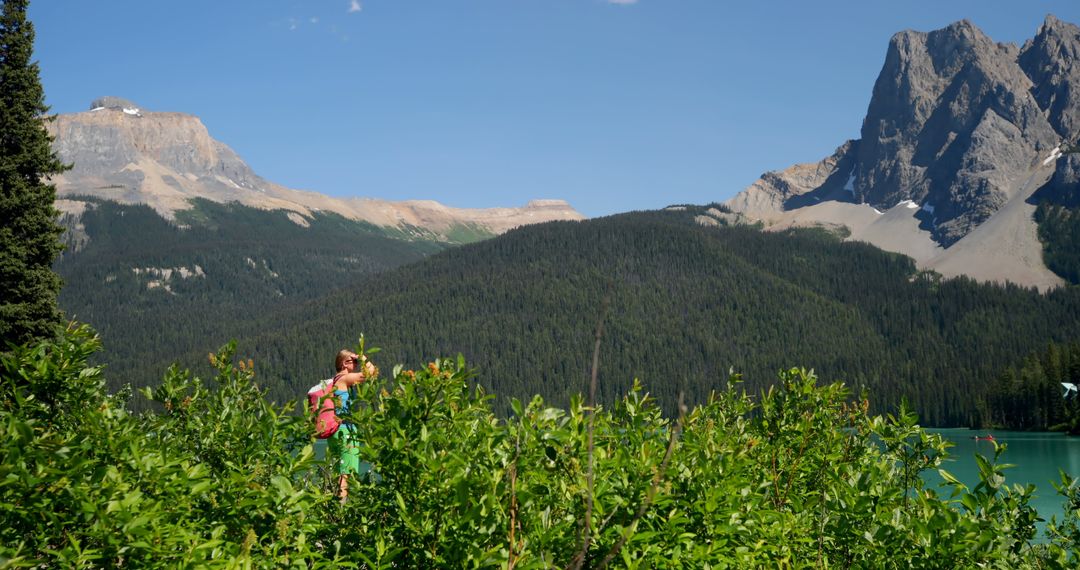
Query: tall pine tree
pixel 29 233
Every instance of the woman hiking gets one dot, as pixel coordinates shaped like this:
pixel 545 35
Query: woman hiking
pixel 352 369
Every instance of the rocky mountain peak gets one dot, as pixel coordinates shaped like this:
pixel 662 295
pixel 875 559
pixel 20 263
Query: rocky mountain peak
pixel 955 46
pixel 958 127
pixel 1052 25
pixel 1050 61
pixel 122 153
pixel 116 143
pixel 951 123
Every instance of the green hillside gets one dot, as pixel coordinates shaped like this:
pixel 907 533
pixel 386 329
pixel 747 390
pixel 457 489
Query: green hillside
pixel 687 303
pixel 1059 232
pixel 241 263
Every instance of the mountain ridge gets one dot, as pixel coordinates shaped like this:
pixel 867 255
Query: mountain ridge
pixel 122 153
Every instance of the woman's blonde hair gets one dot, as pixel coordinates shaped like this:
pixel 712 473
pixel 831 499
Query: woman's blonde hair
pixel 339 362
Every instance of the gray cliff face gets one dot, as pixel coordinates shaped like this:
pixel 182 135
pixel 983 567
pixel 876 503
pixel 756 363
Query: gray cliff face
pixel 1052 61
pixel 104 142
pixel 952 124
pixel 956 123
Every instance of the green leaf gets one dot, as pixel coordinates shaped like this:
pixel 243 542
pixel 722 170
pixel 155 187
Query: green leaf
pixel 949 478
pixel 283 485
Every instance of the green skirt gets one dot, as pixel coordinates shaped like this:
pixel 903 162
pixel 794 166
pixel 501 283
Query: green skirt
pixel 344 451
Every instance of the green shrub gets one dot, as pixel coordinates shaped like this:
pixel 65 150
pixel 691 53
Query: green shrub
pixel 799 476
pixel 214 479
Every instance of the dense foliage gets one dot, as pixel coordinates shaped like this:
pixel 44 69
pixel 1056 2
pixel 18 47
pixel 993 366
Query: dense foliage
pixel 1030 394
pixel 799 476
pixel 29 234
pixel 216 475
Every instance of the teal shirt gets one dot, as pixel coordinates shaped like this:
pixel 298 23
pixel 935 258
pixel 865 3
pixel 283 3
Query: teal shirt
pixel 343 408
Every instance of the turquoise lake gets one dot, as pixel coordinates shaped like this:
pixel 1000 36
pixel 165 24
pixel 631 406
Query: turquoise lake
pixel 1038 457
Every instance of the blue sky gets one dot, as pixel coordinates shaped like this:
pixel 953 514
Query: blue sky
pixel 611 105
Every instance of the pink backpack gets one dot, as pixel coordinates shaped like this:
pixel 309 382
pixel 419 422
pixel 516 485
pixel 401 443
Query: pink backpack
pixel 322 403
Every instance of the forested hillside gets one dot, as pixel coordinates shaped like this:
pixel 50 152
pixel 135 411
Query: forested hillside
pixel 1057 216
pixel 687 304
pixel 155 289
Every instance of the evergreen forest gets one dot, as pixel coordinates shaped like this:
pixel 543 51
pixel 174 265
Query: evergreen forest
pixel 683 306
pixel 226 264
pixel 1034 394
pixel 1057 215
pixel 1059 232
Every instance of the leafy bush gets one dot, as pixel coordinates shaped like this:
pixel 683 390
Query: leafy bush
pixel 214 478
pixel 800 476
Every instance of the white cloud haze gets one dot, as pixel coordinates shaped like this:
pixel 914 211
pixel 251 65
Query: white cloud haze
pixel 355 6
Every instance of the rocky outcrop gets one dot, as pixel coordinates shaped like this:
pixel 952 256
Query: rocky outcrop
pixel 952 123
pixel 800 185
pixel 957 127
pixel 1052 60
pixel 120 152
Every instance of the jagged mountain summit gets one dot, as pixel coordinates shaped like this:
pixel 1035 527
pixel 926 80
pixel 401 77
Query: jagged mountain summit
pixel 124 153
pixel 961 132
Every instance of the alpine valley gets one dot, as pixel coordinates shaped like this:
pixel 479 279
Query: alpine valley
pixel 916 262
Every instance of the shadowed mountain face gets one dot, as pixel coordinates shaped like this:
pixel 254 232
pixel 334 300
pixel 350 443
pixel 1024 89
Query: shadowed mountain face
pixel 123 153
pixel 958 126
pixel 1051 61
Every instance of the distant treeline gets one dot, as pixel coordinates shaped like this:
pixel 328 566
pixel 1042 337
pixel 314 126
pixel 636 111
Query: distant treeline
pixel 1031 395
